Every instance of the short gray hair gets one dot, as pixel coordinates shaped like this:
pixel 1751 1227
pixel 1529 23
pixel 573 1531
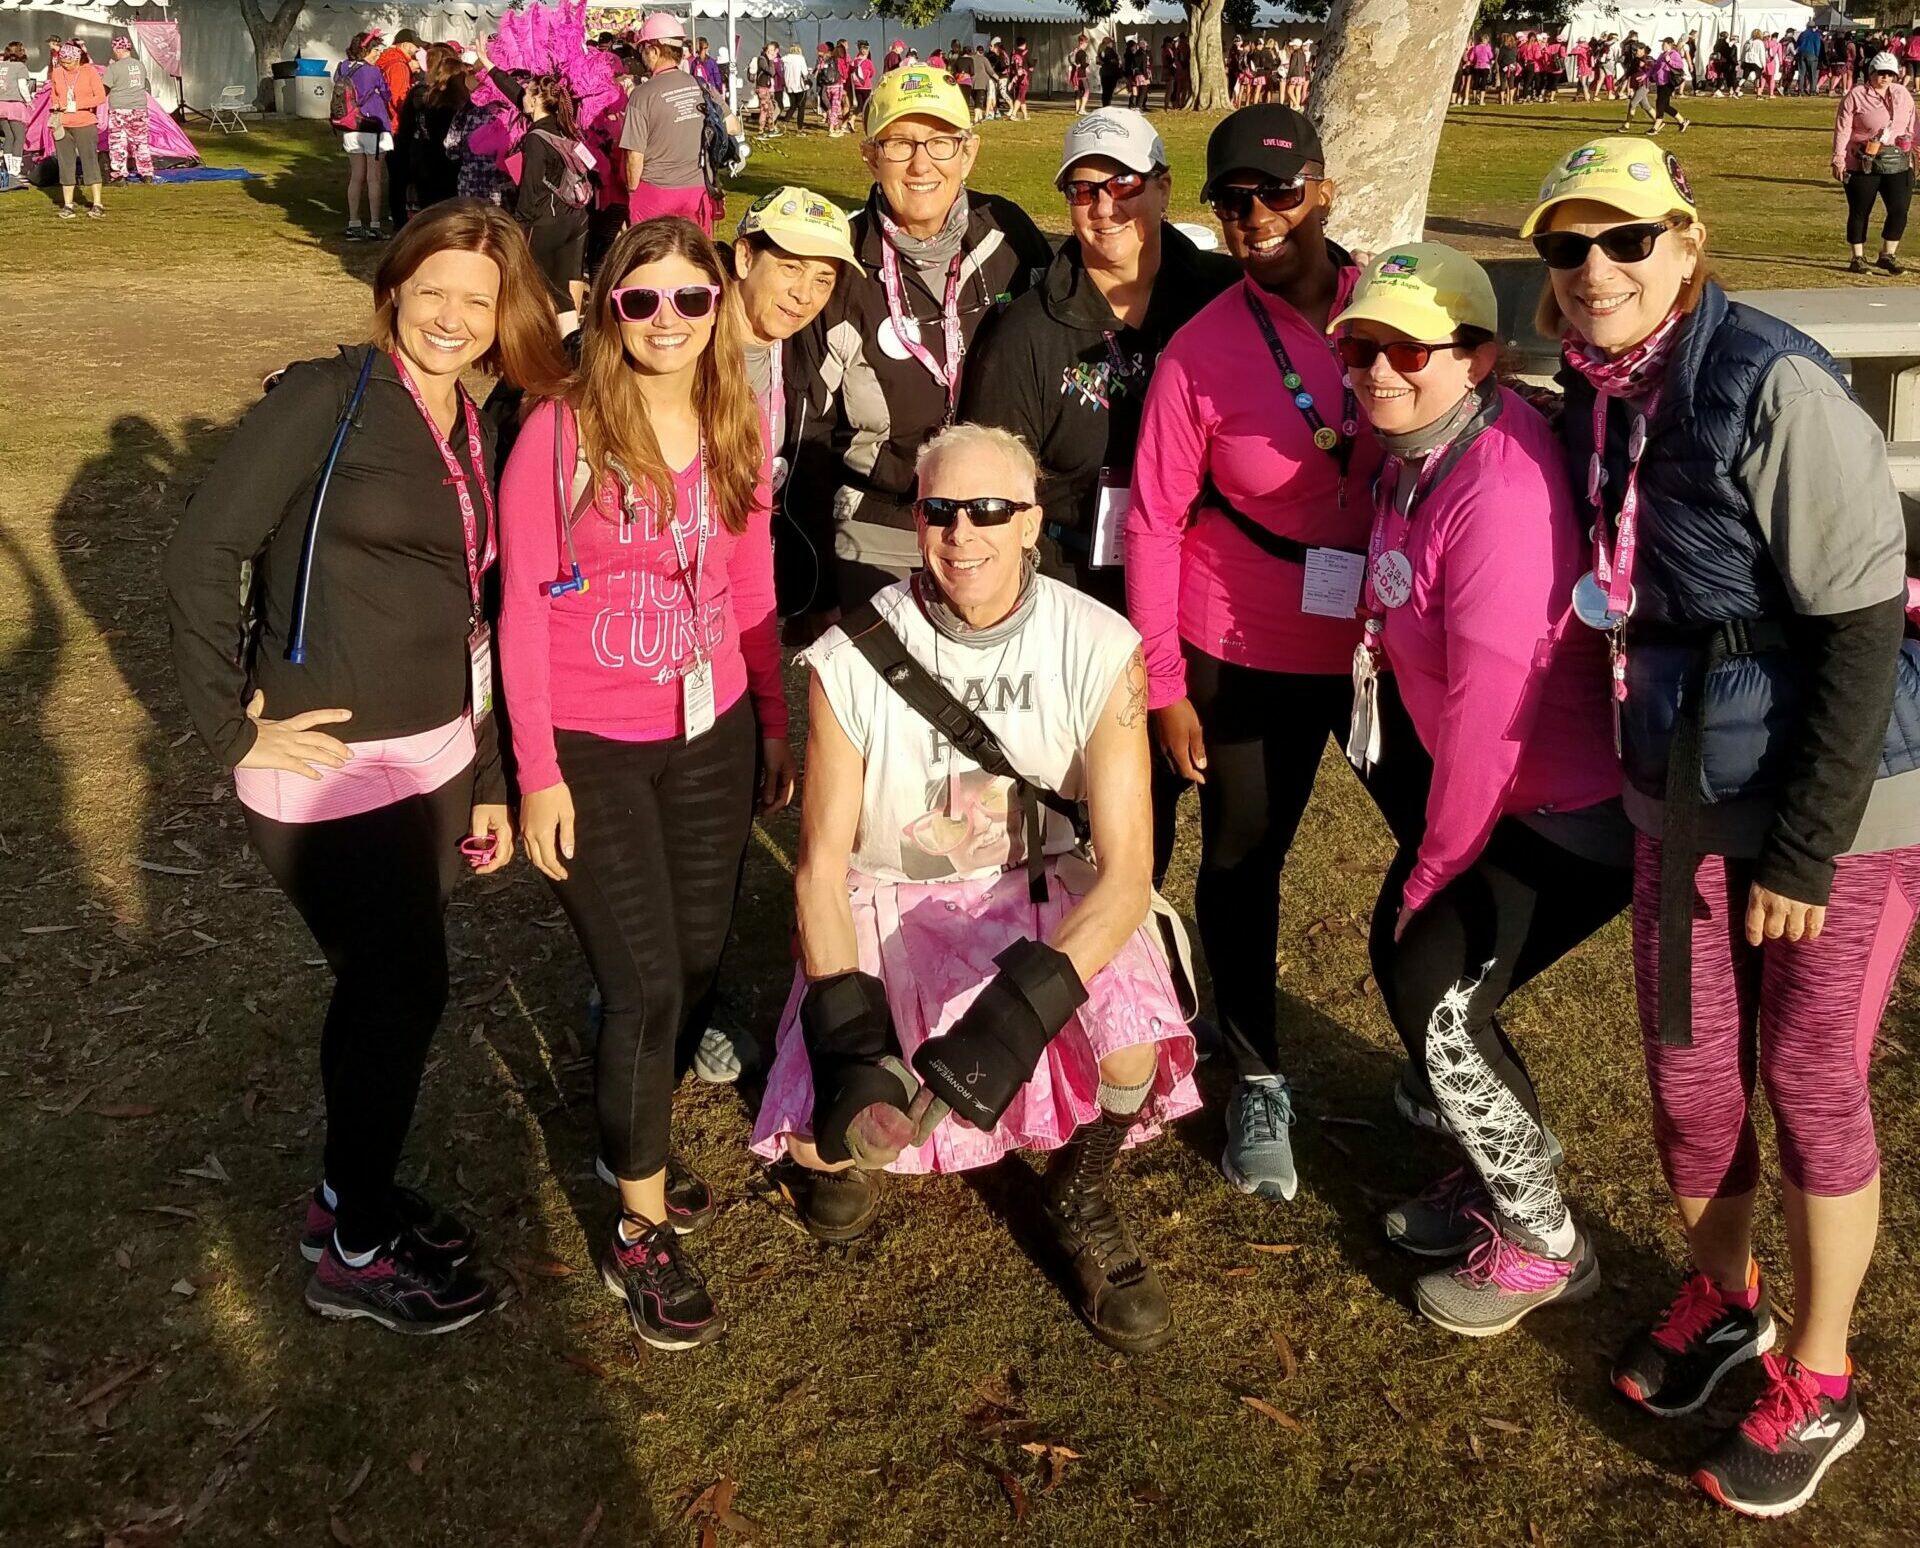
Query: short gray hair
pixel 956 439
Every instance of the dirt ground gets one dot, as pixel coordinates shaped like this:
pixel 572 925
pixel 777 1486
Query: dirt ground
pixel 161 1381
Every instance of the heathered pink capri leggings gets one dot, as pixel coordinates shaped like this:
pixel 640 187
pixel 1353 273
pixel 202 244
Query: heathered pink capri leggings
pixel 1803 1013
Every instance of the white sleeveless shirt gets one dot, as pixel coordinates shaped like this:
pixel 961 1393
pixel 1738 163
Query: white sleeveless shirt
pixel 927 811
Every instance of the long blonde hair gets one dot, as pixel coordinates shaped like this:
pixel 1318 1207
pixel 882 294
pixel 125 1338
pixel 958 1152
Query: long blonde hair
pixel 605 392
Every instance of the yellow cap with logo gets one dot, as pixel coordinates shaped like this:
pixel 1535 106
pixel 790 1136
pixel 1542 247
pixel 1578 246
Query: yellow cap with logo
pixel 1624 173
pixel 1424 289
pixel 917 89
pixel 800 222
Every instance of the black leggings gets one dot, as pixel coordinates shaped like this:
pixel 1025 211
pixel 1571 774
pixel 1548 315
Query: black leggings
pixel 1265 733
pixel 1663 102
pixel 373 889
pixel 660 830
pixel 1524 904
pixel 559 244
pixel 1894 189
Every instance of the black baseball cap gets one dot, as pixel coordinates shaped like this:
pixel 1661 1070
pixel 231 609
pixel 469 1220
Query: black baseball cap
pixel 407 35
pixel 1268 137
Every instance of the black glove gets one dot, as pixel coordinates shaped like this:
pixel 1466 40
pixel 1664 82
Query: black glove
pixel 848 1031
pixel 979 1066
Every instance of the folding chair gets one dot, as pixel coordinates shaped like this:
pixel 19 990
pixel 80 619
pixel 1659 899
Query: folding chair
pixel 226 112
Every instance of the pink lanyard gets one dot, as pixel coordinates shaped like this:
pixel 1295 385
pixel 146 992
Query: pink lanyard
pixel 1615 571
pixel 477 562
pixel 1387 519
pixel 907 331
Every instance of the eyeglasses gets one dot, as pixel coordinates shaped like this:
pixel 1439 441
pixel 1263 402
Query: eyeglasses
pixel 982 511
pixel 1122 187
pixel 939 147
pixel 637 303
pixel 1237 203
pixel 1623 244
pixel 1405 356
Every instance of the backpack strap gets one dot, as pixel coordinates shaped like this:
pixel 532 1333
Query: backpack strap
pixel 888 655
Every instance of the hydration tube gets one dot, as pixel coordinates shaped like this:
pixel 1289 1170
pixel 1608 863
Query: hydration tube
pixel 297 628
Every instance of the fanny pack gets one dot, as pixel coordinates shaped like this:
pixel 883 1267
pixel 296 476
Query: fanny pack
pixel 1890 162
pixel 924 693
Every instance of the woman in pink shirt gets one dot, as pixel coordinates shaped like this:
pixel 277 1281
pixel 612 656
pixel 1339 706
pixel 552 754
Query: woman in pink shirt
pixel 641 664
pixel 1244 546
pixel 1873 159
pixel 1475 551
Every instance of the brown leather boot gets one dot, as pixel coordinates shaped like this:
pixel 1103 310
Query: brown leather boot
pixel 1121 1299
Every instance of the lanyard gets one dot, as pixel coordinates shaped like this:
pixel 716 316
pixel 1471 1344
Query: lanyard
pixel 775 403
pixel 477 560
pixel 1614 570
pixel 1337 444
pixel 907 331
pixel 690 573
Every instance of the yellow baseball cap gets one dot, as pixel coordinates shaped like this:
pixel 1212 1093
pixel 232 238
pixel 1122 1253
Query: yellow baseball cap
pixel 918 89
pixel 800 222
pixel 1424 289
pixel 1626 174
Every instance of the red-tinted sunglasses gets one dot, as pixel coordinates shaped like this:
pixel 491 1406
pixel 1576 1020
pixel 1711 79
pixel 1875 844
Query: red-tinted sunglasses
pixel 1405 356
pixel 1121 187
pixel 638 303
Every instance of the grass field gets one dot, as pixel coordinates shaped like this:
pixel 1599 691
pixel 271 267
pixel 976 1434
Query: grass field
pixel 161 1381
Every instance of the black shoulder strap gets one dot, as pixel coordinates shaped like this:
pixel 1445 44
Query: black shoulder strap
pixel 888 655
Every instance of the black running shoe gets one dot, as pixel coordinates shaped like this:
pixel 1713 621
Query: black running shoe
pixel 1672 1368
pixel 1772 1464
pixel 440 1236
pixel 666 1298
pixel 690 1202
pixel 402 1289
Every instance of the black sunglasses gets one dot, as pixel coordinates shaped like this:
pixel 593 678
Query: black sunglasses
pixel 1405 356
pixel 1121 187
pixel 1237 203
pixel 1623 244
pixel 982 510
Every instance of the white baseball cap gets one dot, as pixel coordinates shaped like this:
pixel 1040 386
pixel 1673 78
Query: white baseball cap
pixel 1119 134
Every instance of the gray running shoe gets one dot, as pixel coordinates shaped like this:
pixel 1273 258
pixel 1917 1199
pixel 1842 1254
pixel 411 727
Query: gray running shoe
pixel 723 1056
pixel 1501 1281
pixel 1259 1155
pixel 1444 1220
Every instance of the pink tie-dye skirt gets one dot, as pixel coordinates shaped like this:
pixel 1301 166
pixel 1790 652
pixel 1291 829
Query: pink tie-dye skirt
pixel 933 944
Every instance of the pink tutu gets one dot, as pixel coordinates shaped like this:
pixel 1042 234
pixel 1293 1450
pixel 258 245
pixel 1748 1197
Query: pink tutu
pixel 933 944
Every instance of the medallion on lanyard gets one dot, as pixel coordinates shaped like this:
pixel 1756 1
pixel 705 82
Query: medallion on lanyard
pixel 901 330
pixel 1604 597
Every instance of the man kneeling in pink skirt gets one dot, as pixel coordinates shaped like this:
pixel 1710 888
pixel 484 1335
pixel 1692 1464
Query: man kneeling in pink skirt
pixel 974 892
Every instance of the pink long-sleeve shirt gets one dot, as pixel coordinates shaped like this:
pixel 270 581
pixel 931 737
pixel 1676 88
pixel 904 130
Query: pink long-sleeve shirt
pixel 1867 114
pixel 1217 409
pixel 608 660
pixel 1507 691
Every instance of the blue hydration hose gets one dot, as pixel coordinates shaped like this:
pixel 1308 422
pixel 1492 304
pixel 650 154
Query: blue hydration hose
pixel 297 630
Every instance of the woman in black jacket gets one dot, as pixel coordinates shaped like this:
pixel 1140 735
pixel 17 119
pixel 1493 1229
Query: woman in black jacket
pixel 357 718
pixel 1109 72
pixel 553 166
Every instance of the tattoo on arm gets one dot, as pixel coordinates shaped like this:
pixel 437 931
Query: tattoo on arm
pixel 1134 711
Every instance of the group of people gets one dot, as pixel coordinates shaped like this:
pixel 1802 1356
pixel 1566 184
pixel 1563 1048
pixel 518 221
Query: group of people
pixel 82 99
pixel 1060 533
pixel 1123 67
pixel 1269 71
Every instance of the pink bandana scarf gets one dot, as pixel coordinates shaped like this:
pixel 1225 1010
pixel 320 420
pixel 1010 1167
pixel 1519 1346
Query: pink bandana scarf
pixel 1633 375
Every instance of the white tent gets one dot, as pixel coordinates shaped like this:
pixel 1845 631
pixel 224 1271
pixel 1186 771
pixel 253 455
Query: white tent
pixel 1652 20
pixel 1741 17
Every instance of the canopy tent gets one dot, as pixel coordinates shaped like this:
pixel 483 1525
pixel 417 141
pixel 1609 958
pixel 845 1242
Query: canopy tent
pixel 1742 17
pixel 167 140
pixel 94 23
pixel 1653 21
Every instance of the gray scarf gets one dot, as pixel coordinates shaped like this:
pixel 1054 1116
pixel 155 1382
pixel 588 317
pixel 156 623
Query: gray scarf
pixel 952 626
pixel 1411 445
pixel 929 253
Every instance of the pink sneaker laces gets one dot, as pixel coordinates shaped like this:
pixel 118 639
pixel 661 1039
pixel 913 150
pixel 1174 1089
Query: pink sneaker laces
pixel 1695 1309
pixel 1508 1265
pixel 1791 1398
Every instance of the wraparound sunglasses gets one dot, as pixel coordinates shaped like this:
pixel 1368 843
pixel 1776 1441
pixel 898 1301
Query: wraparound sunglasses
pixel 982 510
pixel 1622 244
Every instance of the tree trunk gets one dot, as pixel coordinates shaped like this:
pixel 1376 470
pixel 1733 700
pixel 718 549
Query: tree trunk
pixel 269 34
pixel 1379 95
pixel 1211 93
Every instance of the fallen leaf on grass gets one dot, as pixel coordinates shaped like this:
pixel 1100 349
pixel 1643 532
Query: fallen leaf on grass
pixel 1238 1273
pixel 178 1211
pixel 1474 1448
pixel 485 996
pixel 1261 1406
pixel 1399 1408
pixel 184 1287
pixel 340 1533
pixel 251 1428
pixel 112 1384
pixel 1504 1426
pixel 359 1478
pixel 1274 1249
pixel 546 1268
pixel 125 1110
pixel 211 1169
pixel 1535 1537
pixel 1289 1365
pixel 167 870
pixel 417 1463
pixel 513 1273
pixel 1016 1494
pixel 592 1524
pixel 123 1256
pixel 581 1363
pixel 1057 1459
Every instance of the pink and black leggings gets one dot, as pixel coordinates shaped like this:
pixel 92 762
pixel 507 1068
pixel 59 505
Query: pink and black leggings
pixel 1802 1015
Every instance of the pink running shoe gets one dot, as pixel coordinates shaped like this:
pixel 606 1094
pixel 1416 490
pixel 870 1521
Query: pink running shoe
pixel 1501 1281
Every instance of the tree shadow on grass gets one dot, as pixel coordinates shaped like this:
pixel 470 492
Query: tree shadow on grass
pixel 310 191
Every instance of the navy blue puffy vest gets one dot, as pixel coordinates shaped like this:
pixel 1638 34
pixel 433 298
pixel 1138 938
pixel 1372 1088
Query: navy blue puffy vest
pixel 1702 558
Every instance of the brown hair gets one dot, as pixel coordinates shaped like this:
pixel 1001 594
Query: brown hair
pixel 449 86
pixel 526 343
pixel 606 396
pixel 1549 322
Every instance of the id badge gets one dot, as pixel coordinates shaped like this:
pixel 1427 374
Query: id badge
pixel 1110 523
pixel 1330 586
pixel 480 672
pixel 696 698
pixel 1363 731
